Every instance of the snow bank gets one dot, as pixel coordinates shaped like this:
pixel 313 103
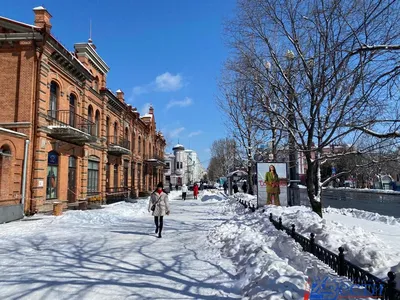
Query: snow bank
pixel 365 215
pixel 120 212
pixel 212 195
pixel 362 248
pixel 271 265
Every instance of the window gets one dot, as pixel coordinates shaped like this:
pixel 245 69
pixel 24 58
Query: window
pixel 52 175
pixel 107 177
pixel 181 165
pixel 139 146
pixel 115 133
pixel 90 117
pixel 168 166
pixel 53 99
pixel 72 101
pixel 93 177
pixel 108 129
pixel 133 141
pixel 115 177
pixel 177 165
pixel 97 124
pixel 126 170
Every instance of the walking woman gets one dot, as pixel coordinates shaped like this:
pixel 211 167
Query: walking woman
pixel 195 190
pixel 159 205
pixel 273 189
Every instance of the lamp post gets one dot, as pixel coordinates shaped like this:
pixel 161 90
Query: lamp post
pixel 294 193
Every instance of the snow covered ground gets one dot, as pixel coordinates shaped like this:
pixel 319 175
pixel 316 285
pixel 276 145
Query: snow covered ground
pixel 212 248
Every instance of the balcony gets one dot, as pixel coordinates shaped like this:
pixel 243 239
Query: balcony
pixel 70 127
pixel 154 160
pixel 118 145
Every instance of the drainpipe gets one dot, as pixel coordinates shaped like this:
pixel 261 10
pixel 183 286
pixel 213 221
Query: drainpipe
pixel 24 175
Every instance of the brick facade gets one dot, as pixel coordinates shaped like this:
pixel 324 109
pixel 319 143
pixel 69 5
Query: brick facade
pixel 85 141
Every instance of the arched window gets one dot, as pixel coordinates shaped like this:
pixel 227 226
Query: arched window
pixel 139 145
pixel 96 84
pixel 54 90
pixel 5 168
pixel 115 133
pixel 52 175
pixel 97 123
pixel 72 101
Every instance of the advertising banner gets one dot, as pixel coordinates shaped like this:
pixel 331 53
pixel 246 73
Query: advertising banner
pixel 277 187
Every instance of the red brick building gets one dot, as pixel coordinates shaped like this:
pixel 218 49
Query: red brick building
pixel 85 141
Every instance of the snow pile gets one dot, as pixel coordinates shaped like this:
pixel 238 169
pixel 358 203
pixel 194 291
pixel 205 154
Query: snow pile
pixel 365 215
pixel 211 195
pixel 120 212
pixel 362 248
pixel 270 264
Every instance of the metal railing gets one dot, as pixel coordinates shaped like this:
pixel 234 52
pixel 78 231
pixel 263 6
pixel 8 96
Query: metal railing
pixel 67 118
pixel 118 141
pixel 154 156
pixel 385 290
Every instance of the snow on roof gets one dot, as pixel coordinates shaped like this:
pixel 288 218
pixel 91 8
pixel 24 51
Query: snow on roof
pixel 118 91
pixel 39 8
pixel 20 23
pixel 147 116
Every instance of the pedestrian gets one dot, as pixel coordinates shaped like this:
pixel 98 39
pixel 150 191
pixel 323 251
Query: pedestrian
pixel 235 187
pixel 225 185
pixel 195 191
pixel 273 189
pixel 159 206
pixel 176 186
pixel 184 191
pixel 244 187
pixel 170 187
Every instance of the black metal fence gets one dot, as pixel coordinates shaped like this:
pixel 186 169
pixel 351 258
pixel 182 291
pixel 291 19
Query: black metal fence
pixel 385 290
pixel 121 141
pixel 69 118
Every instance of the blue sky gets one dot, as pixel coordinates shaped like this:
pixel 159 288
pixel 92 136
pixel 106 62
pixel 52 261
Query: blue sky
pixel 167 53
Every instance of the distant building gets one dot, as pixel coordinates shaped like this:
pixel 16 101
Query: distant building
pixel 182 166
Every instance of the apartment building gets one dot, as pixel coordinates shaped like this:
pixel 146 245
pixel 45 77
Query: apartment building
pixel 84 140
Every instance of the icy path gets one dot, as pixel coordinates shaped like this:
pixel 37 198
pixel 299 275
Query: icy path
pixel 110 254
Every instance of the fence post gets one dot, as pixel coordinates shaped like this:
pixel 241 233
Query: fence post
pixel 312 243
pixel 253 208
pixel 245 204
pixel 341 267
pixel 280 223
pixel 391 287
pixel 270 217
pixel 293 230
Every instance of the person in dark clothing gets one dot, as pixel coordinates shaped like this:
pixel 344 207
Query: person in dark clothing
pixel 235 188
pixel 244 187
pixel 176 186
pixel 170 187
pixel 225 185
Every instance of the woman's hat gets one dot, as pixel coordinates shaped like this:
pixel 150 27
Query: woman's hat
pixel 160 185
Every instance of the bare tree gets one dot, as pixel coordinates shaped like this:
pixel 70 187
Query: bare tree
pixel 333 69
pixel 239 102
pixel 223 158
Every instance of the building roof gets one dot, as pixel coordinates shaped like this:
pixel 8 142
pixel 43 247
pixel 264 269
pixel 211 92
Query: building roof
pixel 178 147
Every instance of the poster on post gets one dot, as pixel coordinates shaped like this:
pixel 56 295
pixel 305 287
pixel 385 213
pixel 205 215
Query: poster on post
pixel 272 186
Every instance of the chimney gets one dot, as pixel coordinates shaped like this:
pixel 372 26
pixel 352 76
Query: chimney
pixel 42 18
pixel 120 95
pixel 151 110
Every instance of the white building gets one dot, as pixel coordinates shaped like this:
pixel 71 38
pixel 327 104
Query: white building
pixel 182 166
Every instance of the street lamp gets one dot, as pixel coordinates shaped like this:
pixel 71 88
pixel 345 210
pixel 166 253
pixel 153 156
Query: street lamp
pixel 294 193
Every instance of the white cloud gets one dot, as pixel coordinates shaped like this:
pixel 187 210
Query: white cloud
pixel 184 103
pixel 165 82
pixel 194 133
pixel 145 109
pixel 175 132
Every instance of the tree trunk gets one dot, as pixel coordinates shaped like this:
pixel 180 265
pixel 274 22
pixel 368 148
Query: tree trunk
pixel 312 188
pixel 250 179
